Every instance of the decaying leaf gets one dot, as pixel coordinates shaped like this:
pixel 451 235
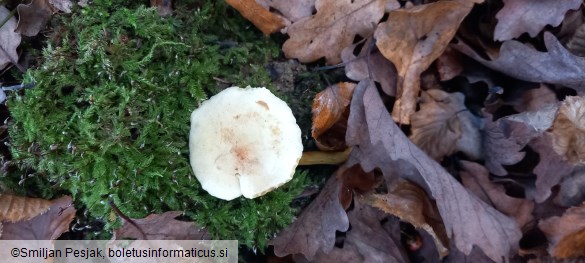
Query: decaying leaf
pixel 449 64
pixel 9 39
pixel 476 178
pixel 568 131
pixel 17 208
pixel 263 19
pixel 161 227
pixel 520 16
pixel 572 190
pixel 536 99
pixel 332 28
pixel 577 42
pixel 566 233
pixel 47 226
pixel 537 121
pixel 412 39
pixel 410 203
pixel 501 149
pixel 379 143
pixel 556 66
pixel 443 126
pixel 61 5
pixel 33 17
pixel 329 108
pixel 314 230
pixel 358 68
pixel 367 240
pixel 551 169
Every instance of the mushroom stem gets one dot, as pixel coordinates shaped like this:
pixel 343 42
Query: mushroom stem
pixel 319 157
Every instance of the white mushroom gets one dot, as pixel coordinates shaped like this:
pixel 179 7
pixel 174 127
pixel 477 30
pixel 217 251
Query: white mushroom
pixel 244 142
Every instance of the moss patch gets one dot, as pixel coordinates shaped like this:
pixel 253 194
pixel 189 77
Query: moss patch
pixel 109 117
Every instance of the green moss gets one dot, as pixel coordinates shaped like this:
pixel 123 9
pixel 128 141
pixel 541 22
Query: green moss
pixel 109 117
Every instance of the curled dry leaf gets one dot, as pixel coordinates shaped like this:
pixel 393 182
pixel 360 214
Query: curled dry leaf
pixel 556 66
pixel 412 39
pixel 161 227
pixel 332 28
pixel 33 17
pixel 367 240
pixel 314 229
pixel 381 144
pixel 551 169
pixel 410 203
pixel 17 208
pixel 443 126
pixel 353 179
pixel 9 40
pixel 358 68
pixel 476 178
pixel 449 64
pixel 263 19
pixel 568 131
pixel 566 233
pixel 520 16
pixel 47 226
pixel 330 107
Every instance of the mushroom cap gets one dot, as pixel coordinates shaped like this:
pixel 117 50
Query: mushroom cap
pixel 244 142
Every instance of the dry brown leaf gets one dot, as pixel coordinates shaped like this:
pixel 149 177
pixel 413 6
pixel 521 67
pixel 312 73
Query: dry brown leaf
pixel 17 208
pixel 577 42
pixel 381 144
pixel 47 226
pixel 367 240
pixel 520 16
pixel 330 107
pixel 410 203
pixel 551 168
pixel 314 229
pixel 9 40
pixel 412 39
pixel 476 178
pixel 566 233
pixel 449 64
pixel 381 70
pixel 332 28
pixel 568 131
pixel 161 227
pixel 61 5
pixel 293 10
pixel 263 19
pixel 353 179
pixel 536 99
pixel 443 126
pixel 501 149
pixel 33 17
pixel 556 66
pixel 572 190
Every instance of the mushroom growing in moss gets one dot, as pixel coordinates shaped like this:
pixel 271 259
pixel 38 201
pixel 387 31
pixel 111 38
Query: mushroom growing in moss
pixel 244 142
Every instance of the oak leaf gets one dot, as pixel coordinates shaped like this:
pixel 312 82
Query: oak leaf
pixel 556 66
pixel 16 208
pixel 410 203
pixel 412 39
pixel 161 227
pixel 332 28
pixel 33 17
pixel 520 16
pixel 566 233
pixel 293 10
pixel 476 178
pixel 263 19
pixel 329 108
pixel 568 130
pixel 367 240
pixel 551 169
pixel 501 149
pixel 443 126
pixel 365 65
pixel 47 226
pixel 314 229
pixel 9 40
pixel 379 143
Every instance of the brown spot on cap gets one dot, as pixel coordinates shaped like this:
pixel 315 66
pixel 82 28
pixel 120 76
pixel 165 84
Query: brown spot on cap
pixel 263 104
